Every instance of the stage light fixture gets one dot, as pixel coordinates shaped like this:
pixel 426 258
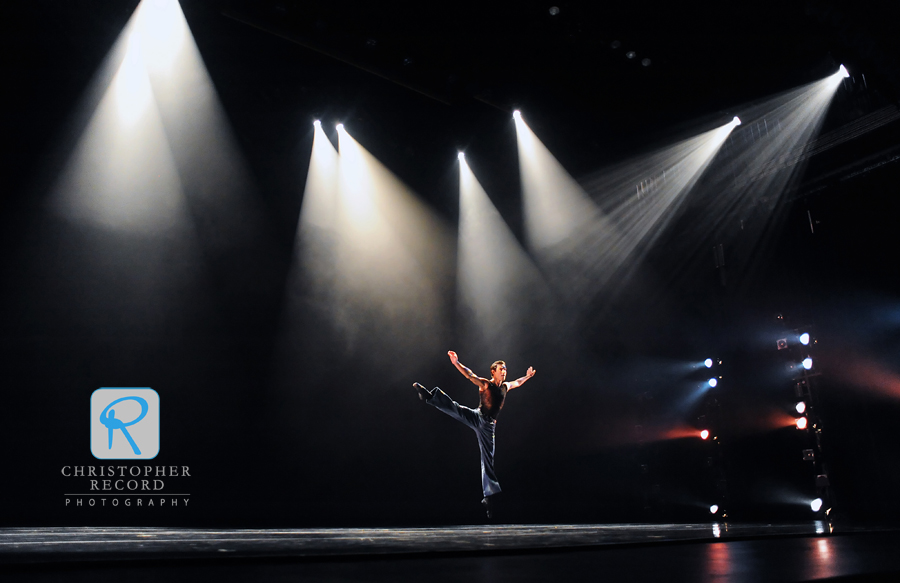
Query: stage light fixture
pixel 712 382
pixel 807 363
pixel 843 72
pixel 736 121
pixel 801 422
pixel 708 362
pixel 339 127
pixel 816 504
pixel 461 156
pixel 317 123
pixel 517 114
pixel 804 339
pixel 704 434
pixel 714 508
pixel 801 407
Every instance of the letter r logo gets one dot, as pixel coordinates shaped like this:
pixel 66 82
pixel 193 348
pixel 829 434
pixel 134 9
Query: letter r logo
pixel 124 423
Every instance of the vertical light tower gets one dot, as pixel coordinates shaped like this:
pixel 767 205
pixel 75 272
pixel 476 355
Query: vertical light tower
pixel 798 345
pixel 712 426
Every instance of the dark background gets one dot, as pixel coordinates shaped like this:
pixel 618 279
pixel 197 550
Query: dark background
pixel 344 441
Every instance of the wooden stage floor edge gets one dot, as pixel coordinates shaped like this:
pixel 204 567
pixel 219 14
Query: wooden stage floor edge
pixel 30 545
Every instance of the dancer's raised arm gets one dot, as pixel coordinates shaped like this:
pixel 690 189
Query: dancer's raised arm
pixel 521 380
pixel 466 371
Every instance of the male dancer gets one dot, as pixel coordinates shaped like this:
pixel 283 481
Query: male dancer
pixel 492 395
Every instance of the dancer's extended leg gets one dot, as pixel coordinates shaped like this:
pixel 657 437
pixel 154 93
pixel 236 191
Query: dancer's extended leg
pixel 484 430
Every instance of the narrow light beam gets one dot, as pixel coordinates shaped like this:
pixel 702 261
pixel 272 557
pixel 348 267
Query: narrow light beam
pixel 763 161
pixel 503 299
pixel 375 255
pixel 587 244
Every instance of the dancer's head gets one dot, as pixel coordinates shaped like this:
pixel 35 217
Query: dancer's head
pixel 498 371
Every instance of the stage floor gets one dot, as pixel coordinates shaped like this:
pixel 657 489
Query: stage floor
pixel 609 552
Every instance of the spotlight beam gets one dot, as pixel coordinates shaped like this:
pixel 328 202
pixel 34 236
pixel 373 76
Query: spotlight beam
pixel 504 302
pixel 762 163
pixel 586 247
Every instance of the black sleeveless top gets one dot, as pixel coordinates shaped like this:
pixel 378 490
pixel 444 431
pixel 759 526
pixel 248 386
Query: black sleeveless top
pixel 492 399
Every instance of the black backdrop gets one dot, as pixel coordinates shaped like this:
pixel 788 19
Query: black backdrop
pixel 342 440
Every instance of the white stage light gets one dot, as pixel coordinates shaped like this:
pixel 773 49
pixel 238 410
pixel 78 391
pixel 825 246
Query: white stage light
pixel 807 363
pixel 736 121
pixel 712 382
pixel 339 127
pixel 804 339
pixel 461 156
pixel 517 114
pixel 713 509
pixel 708 362
pixel 317 123
pixel 801 407
pixel 843 72
pixel 816 504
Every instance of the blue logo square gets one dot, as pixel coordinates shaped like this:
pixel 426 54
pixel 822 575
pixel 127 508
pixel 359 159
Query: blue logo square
pixel 125 423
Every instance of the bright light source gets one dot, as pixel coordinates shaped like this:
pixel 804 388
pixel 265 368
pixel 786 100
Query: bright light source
pixel 843 72
pixel 807 363
pixel 736 121
pixel 461 156
pixel 816 504
pixel 804 339
pixel 704 434
pixel 317 123
pixel 801 407
pixel 713 509
pixel 517 114
pixel 708 362
pixel 339 127
pixel 801 423
pixel 712 382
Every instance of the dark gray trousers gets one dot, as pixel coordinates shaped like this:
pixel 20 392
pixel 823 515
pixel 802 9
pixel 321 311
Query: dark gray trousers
pixel 484 430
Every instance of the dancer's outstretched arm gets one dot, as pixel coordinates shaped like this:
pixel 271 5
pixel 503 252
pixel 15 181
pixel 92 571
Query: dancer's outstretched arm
pixel 520 381
pixel 466 371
